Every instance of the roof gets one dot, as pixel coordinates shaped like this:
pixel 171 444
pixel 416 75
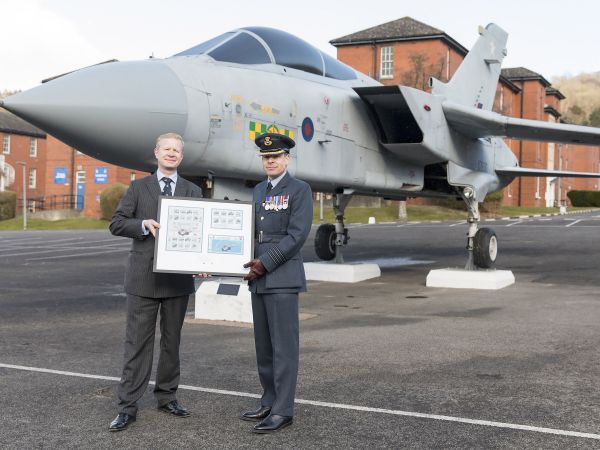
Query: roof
pixel 523 74
pixel 551 110
pixel 512 86
pixel 9 123
pixel 402 29
pixel 553 91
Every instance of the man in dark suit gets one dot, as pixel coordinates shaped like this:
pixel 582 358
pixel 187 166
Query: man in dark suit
pixel 149 292
pixel 283 217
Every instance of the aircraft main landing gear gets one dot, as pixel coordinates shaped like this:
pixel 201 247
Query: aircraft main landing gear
pixel 482 244
pixel 330 238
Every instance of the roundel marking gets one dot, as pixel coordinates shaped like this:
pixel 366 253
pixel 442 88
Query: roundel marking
pixel 308 129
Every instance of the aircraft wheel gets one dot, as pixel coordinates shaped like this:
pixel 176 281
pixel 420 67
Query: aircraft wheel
pixel 485 248
pixel 325 242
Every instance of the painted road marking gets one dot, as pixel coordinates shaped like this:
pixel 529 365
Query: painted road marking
pixel 488 423
pixel 78 254
pixel 573 223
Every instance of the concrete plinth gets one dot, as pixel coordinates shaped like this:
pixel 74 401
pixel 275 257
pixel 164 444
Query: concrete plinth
pixel 470 279
pixel 224 300
pixel 341 273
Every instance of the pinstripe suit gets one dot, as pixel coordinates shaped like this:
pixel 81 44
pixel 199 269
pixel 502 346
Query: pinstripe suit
pixel 147 292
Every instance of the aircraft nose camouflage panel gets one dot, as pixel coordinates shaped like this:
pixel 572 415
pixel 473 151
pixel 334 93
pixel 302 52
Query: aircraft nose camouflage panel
pixel 263 45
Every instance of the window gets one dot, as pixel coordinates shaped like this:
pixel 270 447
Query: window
pixel 6 144
pixel 32 178
pixel 132 176
pixel 387 59
pixel 80 176
pixel 33 148
pixel 242 49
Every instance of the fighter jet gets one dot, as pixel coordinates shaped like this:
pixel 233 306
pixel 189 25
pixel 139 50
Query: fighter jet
pixel 353 135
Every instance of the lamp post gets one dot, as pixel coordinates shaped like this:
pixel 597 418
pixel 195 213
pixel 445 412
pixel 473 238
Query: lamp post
pixel 24 164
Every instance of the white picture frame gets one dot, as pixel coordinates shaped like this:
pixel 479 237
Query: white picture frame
pixel 204 236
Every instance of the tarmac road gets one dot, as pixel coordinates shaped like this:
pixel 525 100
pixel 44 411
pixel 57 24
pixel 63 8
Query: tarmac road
pixel 386 363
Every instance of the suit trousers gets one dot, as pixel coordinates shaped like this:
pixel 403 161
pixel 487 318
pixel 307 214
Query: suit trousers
pixel 276 336
pixel 139 349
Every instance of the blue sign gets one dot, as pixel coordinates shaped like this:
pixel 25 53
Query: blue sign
pixel 60 175
pixel 101 175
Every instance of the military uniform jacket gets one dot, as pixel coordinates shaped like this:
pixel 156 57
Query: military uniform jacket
pixel 283 218
pixel 139 203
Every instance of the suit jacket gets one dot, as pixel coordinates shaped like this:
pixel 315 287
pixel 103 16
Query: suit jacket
pixel 139 203
pixel 284 232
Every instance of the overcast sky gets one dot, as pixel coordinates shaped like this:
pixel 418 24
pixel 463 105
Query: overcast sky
pixel 42 38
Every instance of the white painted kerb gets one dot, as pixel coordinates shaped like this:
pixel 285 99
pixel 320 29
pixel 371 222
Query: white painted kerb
pixel 470 279
pixel 341 273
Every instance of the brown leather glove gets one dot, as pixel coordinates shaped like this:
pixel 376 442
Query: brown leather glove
pixel 257 269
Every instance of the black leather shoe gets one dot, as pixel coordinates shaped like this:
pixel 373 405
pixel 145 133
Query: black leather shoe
pixel 272 424
pixel 173 407
pixel 256 415
pixel 121 422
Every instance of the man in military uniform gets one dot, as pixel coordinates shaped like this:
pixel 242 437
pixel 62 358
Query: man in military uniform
pixel 283 217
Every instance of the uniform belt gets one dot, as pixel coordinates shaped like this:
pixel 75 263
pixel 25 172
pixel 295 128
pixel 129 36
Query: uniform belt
pixel 264 237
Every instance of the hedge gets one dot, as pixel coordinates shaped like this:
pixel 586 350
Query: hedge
pixel 8 205
pixel 110 198
pixel 584 198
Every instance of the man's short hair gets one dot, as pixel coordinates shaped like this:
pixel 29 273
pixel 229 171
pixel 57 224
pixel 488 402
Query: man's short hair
pixel 169 136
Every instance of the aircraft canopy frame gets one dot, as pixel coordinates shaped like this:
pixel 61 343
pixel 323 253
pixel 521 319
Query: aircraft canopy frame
pixel 264 45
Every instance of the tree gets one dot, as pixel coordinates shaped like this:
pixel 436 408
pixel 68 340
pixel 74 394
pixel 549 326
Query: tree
pixel 594 117
pixel 6 93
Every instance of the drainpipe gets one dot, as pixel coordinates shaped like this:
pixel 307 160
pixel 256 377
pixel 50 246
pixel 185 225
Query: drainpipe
pixel 375 75
pixel 73 187
pixel 521 145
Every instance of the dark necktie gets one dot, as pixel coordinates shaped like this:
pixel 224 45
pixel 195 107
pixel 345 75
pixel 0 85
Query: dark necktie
pixel 167 189
pixel 269 187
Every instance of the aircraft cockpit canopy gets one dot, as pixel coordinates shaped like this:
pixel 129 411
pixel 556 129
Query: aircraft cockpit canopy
pixel 262 45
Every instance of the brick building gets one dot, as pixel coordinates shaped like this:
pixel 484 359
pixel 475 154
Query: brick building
pixel 58 176
pixel 409 52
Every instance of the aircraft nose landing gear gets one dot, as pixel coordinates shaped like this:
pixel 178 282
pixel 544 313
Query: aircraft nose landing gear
pixel 482 244
pixel 330 238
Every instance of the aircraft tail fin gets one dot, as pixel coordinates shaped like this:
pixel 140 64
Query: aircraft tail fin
pixel 474 83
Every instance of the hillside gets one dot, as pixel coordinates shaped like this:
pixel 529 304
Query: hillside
pixel 582 105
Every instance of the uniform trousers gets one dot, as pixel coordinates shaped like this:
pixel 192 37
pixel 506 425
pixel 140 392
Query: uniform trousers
pixel 276 338
pixel 139 349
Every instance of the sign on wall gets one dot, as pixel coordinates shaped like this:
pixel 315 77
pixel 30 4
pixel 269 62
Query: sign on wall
pixel 60 175
pixel 101 175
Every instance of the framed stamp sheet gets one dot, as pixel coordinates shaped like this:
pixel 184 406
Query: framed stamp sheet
pixel 199 235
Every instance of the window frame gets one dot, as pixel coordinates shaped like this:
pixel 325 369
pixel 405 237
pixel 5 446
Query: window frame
pixel 6 144
pixel 32 179
pixel 386 64
pixel 33 149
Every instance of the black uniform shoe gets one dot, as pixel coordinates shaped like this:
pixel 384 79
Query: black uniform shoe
pixel 272 424
pixel 121 422
pixel 173 407
pixel 257 414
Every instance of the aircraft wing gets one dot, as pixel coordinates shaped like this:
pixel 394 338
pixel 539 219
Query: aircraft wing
pixel 478 123
pixel 523 172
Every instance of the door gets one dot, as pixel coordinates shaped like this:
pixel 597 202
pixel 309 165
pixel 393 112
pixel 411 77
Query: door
pixel 80 189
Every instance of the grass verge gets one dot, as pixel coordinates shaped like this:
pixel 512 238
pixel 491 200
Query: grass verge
pixel 387 213
pixel 82 223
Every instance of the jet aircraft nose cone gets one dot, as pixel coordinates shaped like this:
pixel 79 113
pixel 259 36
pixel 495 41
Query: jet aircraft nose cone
pixel 113 112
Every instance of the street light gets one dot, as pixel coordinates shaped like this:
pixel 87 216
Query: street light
pixel 24 164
